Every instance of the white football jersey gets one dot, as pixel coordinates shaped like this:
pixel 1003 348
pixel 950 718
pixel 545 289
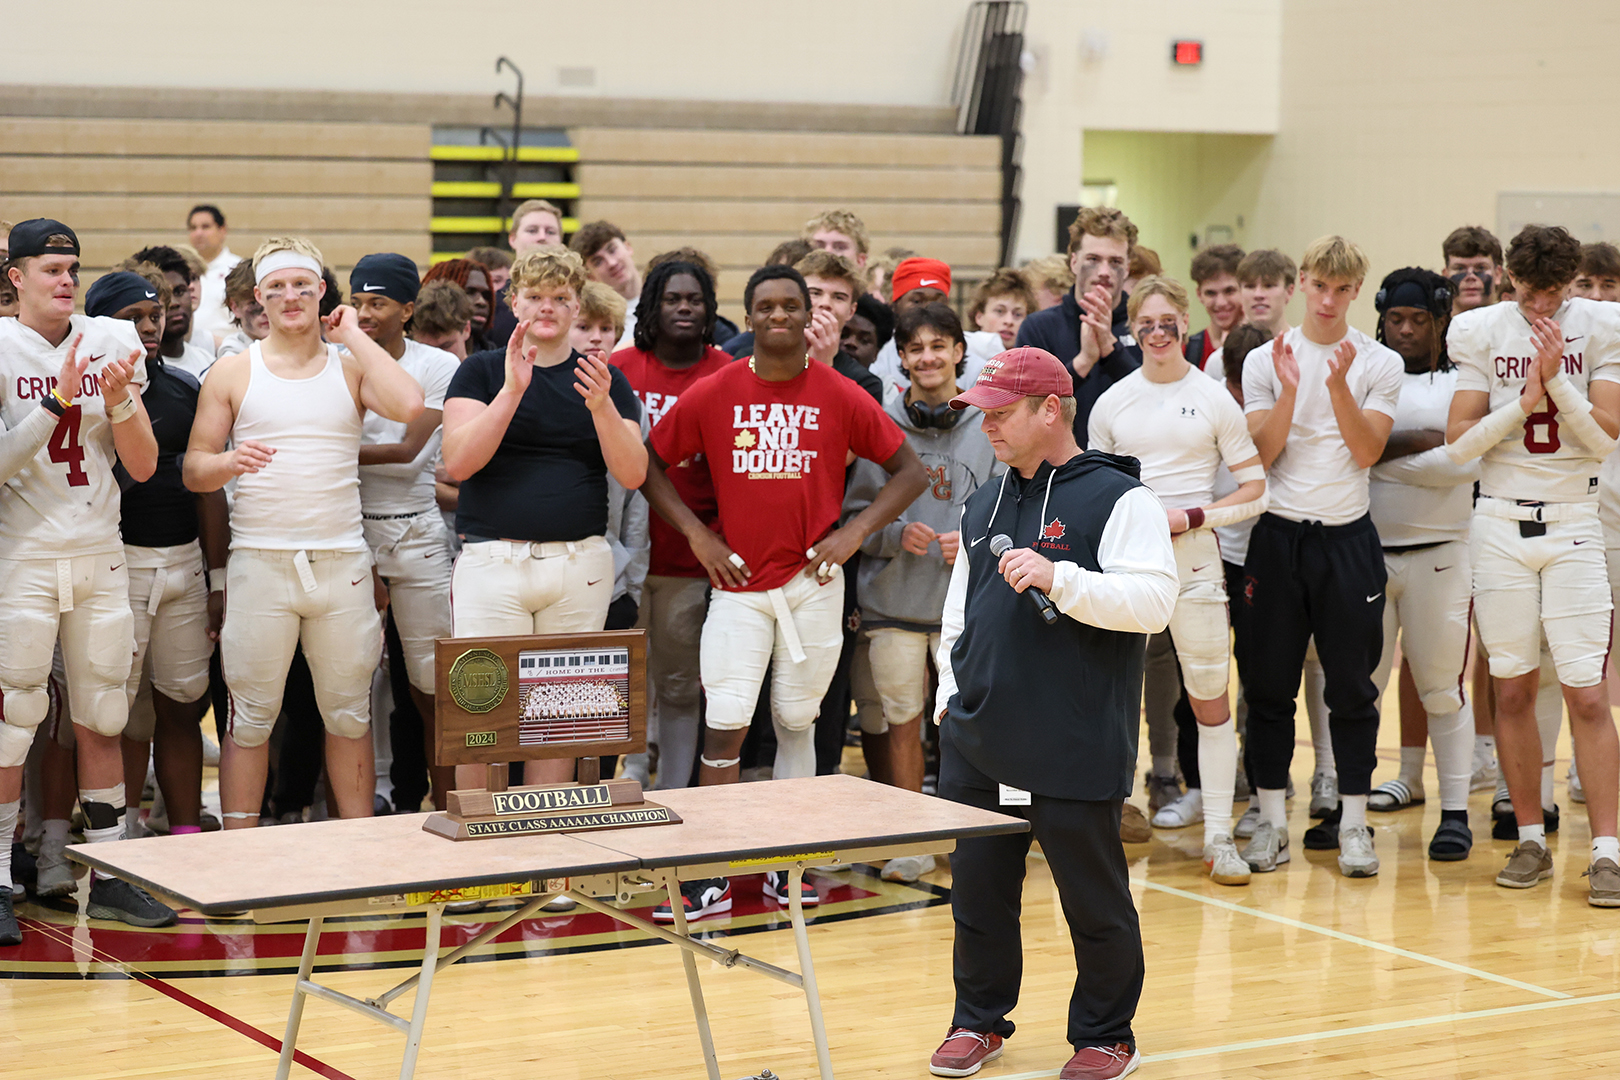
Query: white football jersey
pixel 1181 432
pixel 66 501
pixel 407 488
pixel 1493 352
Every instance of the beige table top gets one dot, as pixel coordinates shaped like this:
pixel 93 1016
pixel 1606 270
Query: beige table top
pixel 291 865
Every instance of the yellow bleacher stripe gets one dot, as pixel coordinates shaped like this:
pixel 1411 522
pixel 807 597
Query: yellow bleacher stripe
pixel 555 154
pixel 481 225
pixel 466 189
pixel 545 191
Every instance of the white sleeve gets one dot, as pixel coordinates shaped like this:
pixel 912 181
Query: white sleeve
pixel 1462 346
pixel 21 444
pixel 1136 590
pixel 1231 432
pixel 1099 434
pixel 437 383
pixel 1384 387
pixel 634 535
pixel 1259 381
pixel 1431 468
pixel 950 629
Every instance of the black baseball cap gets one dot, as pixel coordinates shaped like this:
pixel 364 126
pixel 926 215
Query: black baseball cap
pixel 386 274
pixel 32 237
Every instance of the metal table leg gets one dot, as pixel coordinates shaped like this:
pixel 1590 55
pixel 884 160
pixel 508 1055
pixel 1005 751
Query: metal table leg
pixel 807 971
pixel 430 964
pixel 700 1012
pixel 295 1014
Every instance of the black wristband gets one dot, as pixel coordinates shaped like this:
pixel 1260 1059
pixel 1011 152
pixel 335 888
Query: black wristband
pixel 54 407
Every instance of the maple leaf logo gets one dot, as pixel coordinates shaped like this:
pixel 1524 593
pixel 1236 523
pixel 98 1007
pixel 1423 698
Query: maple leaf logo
pixel 1053 531
pixel 744 439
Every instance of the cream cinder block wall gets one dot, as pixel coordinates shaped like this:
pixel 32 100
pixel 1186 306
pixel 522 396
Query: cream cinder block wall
pixel 899 52
pixel 1105 65
pixel 1402 121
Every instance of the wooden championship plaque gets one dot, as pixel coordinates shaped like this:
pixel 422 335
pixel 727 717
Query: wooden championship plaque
pixel 535 697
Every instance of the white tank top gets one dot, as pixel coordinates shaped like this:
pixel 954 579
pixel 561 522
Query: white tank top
pixel 308 497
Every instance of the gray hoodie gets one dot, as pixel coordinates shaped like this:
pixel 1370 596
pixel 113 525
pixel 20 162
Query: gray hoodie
pixel 895 586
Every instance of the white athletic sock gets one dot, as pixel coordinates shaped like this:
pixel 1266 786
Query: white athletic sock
pixel 1412 758
pixel 795 753
pixel 1603 847
pixel 1316 708
pixel 132 822
pixel 1274 806
pixel 1355 811
pixel 55 836
pixel 8 827
pixel 1547 786
pixel 1538 833
pixel 1165 764
pixel 1488 742
pixel 1450 733
pixel 677 749
pixel 1217 766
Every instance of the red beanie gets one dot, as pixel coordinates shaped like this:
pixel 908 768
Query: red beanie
pixel 920 274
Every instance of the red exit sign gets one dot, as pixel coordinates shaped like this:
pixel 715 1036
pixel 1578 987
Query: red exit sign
pixel 1187 53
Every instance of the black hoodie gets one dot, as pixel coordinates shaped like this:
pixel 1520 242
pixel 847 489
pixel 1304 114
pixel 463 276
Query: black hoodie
pixel 1049 709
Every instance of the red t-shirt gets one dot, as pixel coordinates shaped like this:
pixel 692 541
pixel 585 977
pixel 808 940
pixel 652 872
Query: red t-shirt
pixel 659 387
pixel 777 452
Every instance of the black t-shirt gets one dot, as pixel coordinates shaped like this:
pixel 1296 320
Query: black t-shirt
pixel 547 479
pixel 852 369
pixel 161 512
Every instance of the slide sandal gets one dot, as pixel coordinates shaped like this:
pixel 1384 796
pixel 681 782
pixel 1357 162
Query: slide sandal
pixel 1392 796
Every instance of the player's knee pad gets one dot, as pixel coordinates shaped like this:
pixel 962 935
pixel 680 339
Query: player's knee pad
pixel 795 714
pixel 348 723
pixel 15 738
pixel 1205 680
pixel 1441 702
pixel 111 647
pixel 101 709
pixel 184 689
pixel 246 728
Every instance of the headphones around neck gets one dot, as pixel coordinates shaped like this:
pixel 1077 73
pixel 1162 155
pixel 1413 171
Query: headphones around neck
pixel 941 416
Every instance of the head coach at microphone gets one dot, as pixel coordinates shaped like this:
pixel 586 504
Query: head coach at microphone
pixel 1065 567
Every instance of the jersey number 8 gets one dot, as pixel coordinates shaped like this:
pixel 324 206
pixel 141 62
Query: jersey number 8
pixel 1541 429
pixel 66 449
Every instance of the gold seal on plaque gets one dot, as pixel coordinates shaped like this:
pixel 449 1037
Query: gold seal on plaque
pixel 478 680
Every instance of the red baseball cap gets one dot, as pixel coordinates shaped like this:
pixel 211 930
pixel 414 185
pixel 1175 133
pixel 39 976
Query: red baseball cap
pixel 1015 374
pixel 920 274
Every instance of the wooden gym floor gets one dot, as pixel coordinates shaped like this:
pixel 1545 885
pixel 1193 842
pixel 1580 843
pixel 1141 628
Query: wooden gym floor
pixel 1428 970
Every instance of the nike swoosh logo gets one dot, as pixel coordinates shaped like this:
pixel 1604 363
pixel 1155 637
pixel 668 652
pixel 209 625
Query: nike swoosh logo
pixel 1578 543
pixel 194 573
pixel 357 581
pixel 925 282
pixel 588 584
pixel 93 359
pixel 1196 569
pixel 977 542
pixel 114 568
pixel 1374 596
pixel 370 288
pixel 1437 569
pixel 1577 337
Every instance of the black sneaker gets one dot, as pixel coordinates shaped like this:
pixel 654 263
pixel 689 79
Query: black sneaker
pixel 114 898
pixel 708 896
pixel 1505 825
pixel 10 932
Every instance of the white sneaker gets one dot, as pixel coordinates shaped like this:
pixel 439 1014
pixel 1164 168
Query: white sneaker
pixel 1324 794
pixel 55 874
pixel 1576 792
pixel 1226 866
pixel 908 868
pixel 1268 849
pixel 1249 822
pixel 1185 811
pixel 1356 855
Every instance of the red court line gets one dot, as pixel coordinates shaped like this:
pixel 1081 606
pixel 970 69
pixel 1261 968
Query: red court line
pixel 236 1024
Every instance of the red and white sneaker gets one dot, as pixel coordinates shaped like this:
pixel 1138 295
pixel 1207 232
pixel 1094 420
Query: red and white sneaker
pixel 1101 1062
pixel 775 886
pixel 963 1051
pixel 706 896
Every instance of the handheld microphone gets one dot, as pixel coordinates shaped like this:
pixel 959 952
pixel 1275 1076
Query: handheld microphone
pixel 1000 544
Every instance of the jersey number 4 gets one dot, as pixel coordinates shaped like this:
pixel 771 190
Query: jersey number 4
pixel 1541 429
pixel 66 449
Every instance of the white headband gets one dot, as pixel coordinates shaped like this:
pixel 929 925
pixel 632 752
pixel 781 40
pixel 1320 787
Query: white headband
pixel 286 259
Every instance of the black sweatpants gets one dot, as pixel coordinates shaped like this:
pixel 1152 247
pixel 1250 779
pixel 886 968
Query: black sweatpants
pixel 1304 579
pixel 1081 844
